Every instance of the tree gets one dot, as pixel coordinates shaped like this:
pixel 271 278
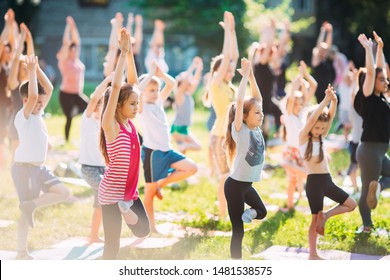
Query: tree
pixel 198 18
pixel 352 17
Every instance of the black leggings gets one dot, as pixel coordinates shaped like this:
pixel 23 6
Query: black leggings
pixel 238 193
pixel 72 105
pixel 112 225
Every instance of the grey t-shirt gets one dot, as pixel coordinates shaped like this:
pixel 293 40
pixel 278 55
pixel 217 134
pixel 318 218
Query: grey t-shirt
pixel 250 148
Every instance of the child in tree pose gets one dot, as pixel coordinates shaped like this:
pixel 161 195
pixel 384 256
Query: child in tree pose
pixel 319 181
pixel 30 175
pixel 245 144
pixel 187 83
pixel 118 190
pixel 158 157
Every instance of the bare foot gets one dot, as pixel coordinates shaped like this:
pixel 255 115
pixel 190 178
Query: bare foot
pixel 159 193
pixel 321 220
pixel 315 257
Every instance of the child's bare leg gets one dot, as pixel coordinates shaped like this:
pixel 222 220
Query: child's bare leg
pixel 348 206
pixel 183 169
pixel 222 204
pixel 55 194
pixel 291 189
pixel 150 193
pixel 313 255
pixel 96 221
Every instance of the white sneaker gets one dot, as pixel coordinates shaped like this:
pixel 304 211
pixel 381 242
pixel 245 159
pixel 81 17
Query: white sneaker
pixel 247 216
pixel 374 190
pixel 124 206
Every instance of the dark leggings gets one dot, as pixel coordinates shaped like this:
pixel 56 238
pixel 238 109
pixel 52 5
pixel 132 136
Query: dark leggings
pixel 237 194
pixel 374 164
pixel 72 105
pixel 112 225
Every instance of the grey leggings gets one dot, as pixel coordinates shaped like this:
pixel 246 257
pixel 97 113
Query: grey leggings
pixel 374 165
pixel 112 225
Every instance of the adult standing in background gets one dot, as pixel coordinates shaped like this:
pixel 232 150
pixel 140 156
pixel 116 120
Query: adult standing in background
pixel 72 99
pixel 375 111
pixel 323 71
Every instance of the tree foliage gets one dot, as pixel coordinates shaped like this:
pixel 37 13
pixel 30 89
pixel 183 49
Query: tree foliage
pixel 352 17
pixel 198 18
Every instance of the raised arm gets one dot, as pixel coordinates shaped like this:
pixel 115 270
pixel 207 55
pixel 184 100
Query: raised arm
pixel 97 95
pixel 138 35
pixel 132 76
pixel 12 80
pixel 169 81
pixel 308 93
pixel 109 124
pixel 29 40
pixel 311 121
pixel 332 111
pixel 110 58
pixel 45 83
pixel 380 56
pixel 196 78
pixel 75 36
pixel 224 67
pixel 62 54
pixel 245 71
pixel 28 108
pixel 369 81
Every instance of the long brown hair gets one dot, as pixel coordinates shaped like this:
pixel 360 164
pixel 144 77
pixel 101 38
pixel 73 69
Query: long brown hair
pixel 230 144
pixel 125 91
pixel 324 117
pixel 215 64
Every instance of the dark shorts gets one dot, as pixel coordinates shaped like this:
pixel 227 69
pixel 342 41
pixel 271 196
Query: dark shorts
pixel 30 180
pixel 320 185
pixel 157 164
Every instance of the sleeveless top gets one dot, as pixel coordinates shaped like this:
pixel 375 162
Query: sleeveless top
pixel 121 177
pixel 316 148
pixel 184 111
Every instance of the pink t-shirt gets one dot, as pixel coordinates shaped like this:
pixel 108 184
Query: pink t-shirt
pixel 72 72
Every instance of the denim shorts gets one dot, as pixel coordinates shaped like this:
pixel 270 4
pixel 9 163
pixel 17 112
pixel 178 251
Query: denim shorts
pixel 93 175
pixel 30 180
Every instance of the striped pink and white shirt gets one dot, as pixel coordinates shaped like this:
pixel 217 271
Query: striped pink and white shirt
pixel 120 180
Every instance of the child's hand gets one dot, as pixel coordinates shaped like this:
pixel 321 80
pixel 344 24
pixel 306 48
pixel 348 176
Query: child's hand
pixel 378 39
pixel 138 20
pixel 330 94
pixel 366 43
pixel 31 62
pixel 198 62
pixel 124 41
pixel 245 67
pixel 302 68
pixel 159 24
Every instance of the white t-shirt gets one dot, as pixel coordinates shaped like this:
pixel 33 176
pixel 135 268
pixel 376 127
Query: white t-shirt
pixel 151 56
pixel 89 142
pixel 345 96
pixel 33 138
pixel 293 125
pixel 154 124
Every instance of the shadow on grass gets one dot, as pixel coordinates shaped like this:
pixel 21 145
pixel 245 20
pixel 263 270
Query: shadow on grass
pixel 366 243
pixel 268 229
pixel 179 251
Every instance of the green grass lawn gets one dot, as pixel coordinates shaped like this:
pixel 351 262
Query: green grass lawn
pixel 197 201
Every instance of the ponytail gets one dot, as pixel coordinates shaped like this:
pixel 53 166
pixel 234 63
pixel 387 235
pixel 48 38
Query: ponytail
pixel 230 144
pixel 102 142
